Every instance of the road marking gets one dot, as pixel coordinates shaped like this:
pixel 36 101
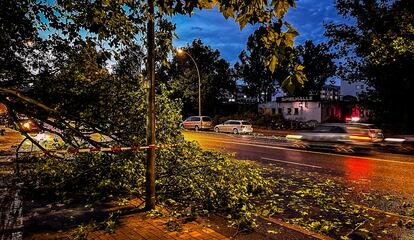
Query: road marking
pixel 295 163
pixel 307 151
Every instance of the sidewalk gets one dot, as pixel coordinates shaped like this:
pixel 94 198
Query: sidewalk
pixel 135 226
pixel 138 226
pixel 47 223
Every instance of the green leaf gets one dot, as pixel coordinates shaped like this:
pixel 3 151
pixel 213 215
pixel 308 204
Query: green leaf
pixel 288 85
pixel 273 63
pixel 228 12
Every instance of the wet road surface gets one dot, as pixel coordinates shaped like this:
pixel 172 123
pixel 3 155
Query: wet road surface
pixel 384 172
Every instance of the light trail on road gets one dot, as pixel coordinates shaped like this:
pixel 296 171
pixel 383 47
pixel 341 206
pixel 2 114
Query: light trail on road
pixel 264 145
pixel 391 173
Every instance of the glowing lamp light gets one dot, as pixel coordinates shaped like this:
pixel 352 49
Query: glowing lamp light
pixel 29 43
pixel 180 51
pixel 26 125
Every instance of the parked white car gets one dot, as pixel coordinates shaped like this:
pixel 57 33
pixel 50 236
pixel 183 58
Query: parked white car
pixel 234 126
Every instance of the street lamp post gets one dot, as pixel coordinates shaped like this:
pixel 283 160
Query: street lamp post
pixel 181 51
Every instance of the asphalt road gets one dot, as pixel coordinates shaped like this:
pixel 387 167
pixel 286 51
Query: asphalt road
pixel 384 172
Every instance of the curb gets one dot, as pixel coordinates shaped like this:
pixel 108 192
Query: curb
pixel 297 228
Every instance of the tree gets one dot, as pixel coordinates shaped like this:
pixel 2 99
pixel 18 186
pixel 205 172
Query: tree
pixel 253 69
pixel 216 81
pixel 110 25
pixel 18 27
pixel 318 66
pixel 377 48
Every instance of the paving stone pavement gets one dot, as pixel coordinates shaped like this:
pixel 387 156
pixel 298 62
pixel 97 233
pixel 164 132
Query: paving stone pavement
pixel 10 203
pixel 137 226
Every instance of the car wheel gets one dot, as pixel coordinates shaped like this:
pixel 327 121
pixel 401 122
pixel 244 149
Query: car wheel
pixel 196 128
pixel 235 131
pixel 216 129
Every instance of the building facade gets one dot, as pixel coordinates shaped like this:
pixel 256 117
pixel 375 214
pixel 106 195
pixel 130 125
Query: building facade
pixel 311 108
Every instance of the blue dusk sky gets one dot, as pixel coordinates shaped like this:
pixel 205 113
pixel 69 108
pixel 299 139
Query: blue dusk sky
pixel 210 26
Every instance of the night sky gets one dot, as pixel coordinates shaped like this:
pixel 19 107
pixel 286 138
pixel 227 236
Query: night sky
pixel 225 35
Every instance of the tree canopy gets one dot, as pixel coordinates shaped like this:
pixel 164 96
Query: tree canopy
pixel 216 80
pixel 318 66
pixel 377 48
pixel 53 28
pixel 259 78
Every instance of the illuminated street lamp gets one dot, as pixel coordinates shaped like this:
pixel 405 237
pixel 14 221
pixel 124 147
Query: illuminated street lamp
pixel 29 43
pixel 180 51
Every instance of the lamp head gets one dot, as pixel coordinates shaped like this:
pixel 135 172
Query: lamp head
pixel 29 43
pixel 180 51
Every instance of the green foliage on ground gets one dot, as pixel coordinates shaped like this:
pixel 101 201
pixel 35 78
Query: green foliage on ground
pixel 209 181
pixel 190 181
pixel 328 206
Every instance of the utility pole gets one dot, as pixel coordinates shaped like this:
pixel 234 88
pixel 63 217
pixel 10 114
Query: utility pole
pixel 150 171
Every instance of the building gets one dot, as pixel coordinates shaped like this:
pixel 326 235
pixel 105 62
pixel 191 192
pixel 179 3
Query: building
pixel 330 92
pixel 354 89
pixel 239 96
pixel 331 104
pixel 310 108
pixel 268 107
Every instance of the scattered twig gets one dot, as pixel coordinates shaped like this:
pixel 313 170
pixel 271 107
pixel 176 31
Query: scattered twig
pixel 356 228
